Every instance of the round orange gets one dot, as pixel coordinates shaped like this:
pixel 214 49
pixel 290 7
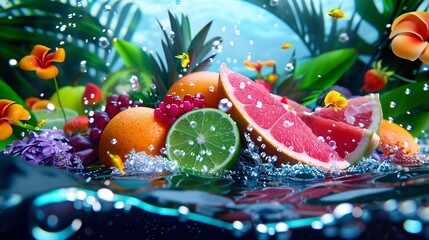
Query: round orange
pixel 134 128
pixel 204 82
pixel 393 136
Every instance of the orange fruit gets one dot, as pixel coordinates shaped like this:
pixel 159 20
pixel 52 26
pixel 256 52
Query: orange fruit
pixel 134 128
pixel 393 136
pixel 204 82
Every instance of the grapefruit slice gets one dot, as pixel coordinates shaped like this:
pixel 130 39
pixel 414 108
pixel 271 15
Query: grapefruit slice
pixel 363 111
pixel 350 142
pixel 285 134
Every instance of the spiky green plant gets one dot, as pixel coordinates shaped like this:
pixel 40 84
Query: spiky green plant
pixel 165 70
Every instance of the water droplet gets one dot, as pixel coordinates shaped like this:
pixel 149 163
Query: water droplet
pixel 259 138
pixel 288 123
pixel 63 28
pixel 179 152
pixel 193 124
pixel 211 88
pixel 249 128
pixel 108 7
pixel 50 108
pixel 199 158
pixel 332 144
pixel 392 104
pixel 231 149
pixel 224 105
pixel 134 83
pixel 212 128
pixel 151 148
pixel 114 141
pixel 83 67
pixel 103 42
pixel 274 3
pixel 191 142
pixel 259 104
pixel 242 85
pixel 425 87
pixel 407 91
pixel 171 35
pixel 343 37
pixel 13 62
pixel 289 67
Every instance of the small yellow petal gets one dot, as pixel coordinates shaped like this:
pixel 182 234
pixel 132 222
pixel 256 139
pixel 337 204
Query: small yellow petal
pixel 184 59
pixel 117 162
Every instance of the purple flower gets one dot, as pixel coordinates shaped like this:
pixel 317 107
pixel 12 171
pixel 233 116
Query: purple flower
pixel 47 148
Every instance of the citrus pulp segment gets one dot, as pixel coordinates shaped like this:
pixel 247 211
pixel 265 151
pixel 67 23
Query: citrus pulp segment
pixel 284 134
pixel 351 143
pixel 203 140
pixel 363 111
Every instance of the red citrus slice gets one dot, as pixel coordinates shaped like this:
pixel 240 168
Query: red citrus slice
pixel 351 143
pixel 284 134
pixel 363 111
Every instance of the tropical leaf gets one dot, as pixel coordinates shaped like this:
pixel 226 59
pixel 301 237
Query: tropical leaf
pixel 324 70
pixel 408 106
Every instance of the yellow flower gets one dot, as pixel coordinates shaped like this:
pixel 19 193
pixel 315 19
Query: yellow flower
pixel 184 59
pixel 40 61
pixel 10 113
pixel 335 100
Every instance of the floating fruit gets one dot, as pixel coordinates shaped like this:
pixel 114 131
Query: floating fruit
pixel 203 82
pixel 71 98
pixel 92 95
pixel 395 138
pixel 203 140
pixel 363 111
pixel 134 128
pixel 350 142
pixel 76 125
pixel 283 133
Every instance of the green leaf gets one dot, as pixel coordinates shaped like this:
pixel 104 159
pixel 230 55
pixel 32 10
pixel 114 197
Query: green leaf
pixel 407 105
pixel 324 70
pixel 133 56
pixel 119 81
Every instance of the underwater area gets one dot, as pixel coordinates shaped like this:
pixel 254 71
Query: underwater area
pixel 226 119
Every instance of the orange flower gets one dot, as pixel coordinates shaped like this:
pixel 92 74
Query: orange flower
pixel 258 65
pixel 40 61
pixel 410 33
pixel 10 113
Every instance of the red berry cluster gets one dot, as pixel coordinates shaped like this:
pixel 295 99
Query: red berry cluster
pixel 173 106
pixel 117 103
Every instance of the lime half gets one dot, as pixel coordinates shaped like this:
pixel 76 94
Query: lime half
pixel 203 141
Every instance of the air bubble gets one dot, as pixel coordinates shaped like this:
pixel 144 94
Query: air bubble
pixel 83 67
pixel 114 141
pixel 212 128
pixel 211 88
pixel 289 67
pixel 224 105
pixel 407 91
pixel 259 104
pixel 249 128
pixel 343 37
pixel 242 85
pixel 151 148
pixel 134 83
pixel 13 62
pixel 103 42
pixel 193 124
pixel 392 104
pixel 274 3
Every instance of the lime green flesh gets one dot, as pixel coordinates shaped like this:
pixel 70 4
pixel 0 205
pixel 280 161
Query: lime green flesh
pixel 203 140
